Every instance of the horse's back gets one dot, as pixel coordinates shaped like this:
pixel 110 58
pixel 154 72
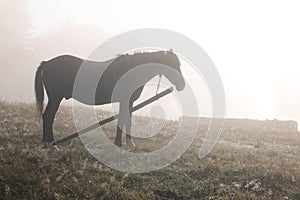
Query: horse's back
pixel 63 62
pixel 59 74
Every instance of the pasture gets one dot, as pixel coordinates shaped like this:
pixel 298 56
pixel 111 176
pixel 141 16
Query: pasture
pixel 245 164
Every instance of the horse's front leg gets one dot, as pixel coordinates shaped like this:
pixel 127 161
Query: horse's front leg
pixel 120 126
pixel 124 121
pixel 128 123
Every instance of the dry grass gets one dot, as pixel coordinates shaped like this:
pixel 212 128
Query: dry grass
pixel 246 164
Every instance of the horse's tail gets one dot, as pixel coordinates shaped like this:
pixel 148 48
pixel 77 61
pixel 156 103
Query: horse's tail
pixel 39 89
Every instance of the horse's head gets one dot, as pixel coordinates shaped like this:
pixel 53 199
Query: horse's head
pixel 175 75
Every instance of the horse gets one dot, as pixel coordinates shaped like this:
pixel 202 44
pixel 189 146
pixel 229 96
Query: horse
pixel 57 76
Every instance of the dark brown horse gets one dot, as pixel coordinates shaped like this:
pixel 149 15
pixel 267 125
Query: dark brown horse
pixel 58 77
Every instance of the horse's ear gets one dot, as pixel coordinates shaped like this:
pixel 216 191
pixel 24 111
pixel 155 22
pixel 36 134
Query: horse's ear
pixel 171 50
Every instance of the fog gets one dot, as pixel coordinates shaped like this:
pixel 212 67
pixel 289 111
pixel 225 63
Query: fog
pixel 255 46
pixel 22 49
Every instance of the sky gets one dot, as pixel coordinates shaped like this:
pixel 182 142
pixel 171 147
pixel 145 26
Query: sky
pixel 255 45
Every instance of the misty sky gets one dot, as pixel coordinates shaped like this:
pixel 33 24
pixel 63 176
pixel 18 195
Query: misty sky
pixel 255 45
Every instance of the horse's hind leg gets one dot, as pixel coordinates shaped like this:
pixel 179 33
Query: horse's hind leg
pixel 48 118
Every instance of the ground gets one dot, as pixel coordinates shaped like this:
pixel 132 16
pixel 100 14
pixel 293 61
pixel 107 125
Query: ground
pixel 245 164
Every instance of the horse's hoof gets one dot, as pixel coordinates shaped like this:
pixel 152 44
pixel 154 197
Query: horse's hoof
pixel 47 145
pixel 118 144
pixel 55 147
pixel 131 146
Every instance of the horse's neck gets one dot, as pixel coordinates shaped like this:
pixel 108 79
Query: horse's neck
pixel 150 58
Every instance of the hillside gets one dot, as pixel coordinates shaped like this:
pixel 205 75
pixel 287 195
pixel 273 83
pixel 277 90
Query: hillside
pixel 252 124
pixel 245 164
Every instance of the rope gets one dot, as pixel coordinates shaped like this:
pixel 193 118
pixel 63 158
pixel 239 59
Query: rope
pixel 160 75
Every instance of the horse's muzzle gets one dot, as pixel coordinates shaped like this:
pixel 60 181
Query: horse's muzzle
pixel 180 87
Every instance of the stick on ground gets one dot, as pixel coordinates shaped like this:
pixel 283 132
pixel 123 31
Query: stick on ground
pixel 112 118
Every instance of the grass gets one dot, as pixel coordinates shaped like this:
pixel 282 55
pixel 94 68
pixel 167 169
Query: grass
pixel 245 164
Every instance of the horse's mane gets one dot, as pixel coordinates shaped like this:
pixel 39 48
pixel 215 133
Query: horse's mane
pixel 138 53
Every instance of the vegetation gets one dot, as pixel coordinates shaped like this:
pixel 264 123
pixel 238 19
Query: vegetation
pixel 245 164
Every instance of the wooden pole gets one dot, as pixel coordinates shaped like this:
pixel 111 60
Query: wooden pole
pixel 112 118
